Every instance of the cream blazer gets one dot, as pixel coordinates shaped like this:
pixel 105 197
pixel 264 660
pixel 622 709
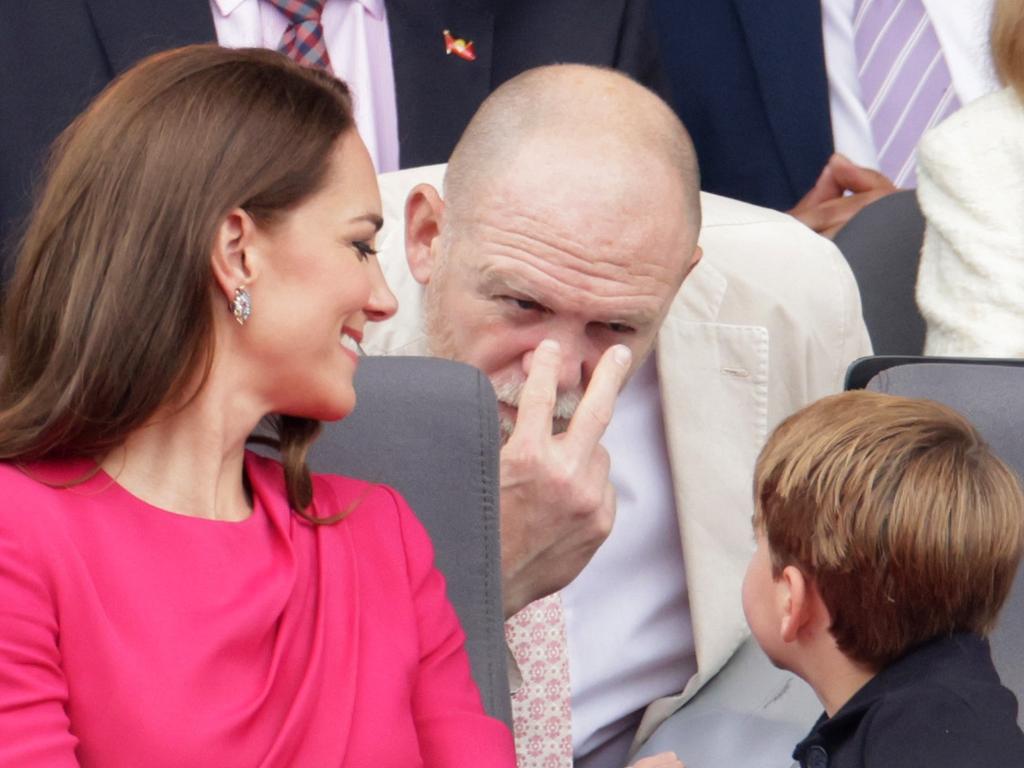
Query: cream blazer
pixel 970 284
pixel 766 323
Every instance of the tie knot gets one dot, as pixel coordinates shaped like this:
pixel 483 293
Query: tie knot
pixel 299 11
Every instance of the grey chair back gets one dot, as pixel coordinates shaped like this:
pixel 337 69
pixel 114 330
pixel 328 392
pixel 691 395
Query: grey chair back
pixel 429 428
pixel 990 393
pixel 882 245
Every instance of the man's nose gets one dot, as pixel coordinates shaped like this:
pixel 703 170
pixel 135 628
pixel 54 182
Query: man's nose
pixel 572 369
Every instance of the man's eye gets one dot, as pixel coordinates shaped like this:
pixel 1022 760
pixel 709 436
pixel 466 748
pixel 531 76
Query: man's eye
pixel 525 304
pixel 364 249
pixel 621 328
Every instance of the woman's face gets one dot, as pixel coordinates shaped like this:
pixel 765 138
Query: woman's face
pixel 317 286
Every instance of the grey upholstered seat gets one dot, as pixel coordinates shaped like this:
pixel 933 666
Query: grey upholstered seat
pixel 882 245
pixel 991 394
pixel 429 428
pixel 750 715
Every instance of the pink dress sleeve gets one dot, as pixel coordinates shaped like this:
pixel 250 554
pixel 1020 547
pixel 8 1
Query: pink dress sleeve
pixel 452 726
pixel 34 727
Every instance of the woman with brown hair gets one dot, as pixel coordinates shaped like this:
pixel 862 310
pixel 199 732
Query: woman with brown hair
pixel 970 284
pixel 201 257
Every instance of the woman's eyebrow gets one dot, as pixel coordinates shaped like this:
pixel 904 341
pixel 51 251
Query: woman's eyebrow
pixel 373 218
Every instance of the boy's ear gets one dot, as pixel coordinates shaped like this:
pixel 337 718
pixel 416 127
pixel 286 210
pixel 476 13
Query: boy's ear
pixel 797 598
pixel 424 212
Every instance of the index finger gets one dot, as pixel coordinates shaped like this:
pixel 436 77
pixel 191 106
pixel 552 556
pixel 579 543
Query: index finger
pixel 595 409
pixel 540 391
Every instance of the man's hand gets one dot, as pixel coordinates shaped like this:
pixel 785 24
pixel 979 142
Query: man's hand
pixel 660 760
pixel 827 207
pixel 557 504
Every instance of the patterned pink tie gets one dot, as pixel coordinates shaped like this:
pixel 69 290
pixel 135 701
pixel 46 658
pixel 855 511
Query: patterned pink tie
pixel 540 708
pixel 303 39
pixel 905 83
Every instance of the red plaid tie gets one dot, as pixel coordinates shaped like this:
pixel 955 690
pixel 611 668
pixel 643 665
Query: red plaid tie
pixel 303 40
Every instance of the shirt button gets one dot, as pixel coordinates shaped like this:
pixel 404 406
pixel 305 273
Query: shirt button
pixel 817 757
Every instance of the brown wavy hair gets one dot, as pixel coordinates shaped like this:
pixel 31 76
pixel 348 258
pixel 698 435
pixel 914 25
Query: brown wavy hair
pixel 906 522
pixel 1008 42
pixel 109 314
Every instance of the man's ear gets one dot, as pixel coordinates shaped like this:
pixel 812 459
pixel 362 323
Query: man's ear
pixel 232 265
pixel 424 213
pixel 797 602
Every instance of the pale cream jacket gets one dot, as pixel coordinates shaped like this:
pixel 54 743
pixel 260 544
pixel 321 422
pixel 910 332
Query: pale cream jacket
pixel 766 323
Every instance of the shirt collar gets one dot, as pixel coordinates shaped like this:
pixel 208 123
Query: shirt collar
pixel 227 7
pixel 373 7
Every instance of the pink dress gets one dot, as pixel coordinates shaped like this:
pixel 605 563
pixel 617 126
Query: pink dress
pixel 131 636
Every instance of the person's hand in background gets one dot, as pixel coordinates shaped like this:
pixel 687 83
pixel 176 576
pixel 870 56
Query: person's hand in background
pixel 827 207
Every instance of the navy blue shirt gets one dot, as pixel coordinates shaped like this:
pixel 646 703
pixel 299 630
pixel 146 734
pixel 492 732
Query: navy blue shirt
pixel 939 706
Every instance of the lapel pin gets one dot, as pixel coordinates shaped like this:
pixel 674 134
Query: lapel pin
pixel 459 47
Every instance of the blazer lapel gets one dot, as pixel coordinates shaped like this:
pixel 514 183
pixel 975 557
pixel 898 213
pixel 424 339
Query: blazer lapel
pixel 788 53
pixel 437 93
pixel 129 31
pixel 714 387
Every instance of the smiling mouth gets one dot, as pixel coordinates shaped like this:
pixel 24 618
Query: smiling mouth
pixel 349 339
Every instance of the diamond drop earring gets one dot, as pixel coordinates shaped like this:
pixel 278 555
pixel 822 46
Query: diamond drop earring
pixel 241 306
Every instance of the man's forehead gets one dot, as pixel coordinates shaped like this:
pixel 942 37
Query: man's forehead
pixel 604 236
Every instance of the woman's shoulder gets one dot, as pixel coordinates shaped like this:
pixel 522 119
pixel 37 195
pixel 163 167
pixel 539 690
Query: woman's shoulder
pixel 36 500
pixel 36 482
pixel 362 502
pixel 992 119
pixel 372 511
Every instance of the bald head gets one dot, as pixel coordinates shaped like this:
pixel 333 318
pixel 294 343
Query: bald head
pixel 583 125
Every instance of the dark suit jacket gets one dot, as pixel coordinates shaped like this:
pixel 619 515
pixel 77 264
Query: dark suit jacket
pixel 58 54
pixel 748 80
pixel 941 706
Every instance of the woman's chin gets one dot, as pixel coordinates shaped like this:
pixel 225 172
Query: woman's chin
pixel 333 409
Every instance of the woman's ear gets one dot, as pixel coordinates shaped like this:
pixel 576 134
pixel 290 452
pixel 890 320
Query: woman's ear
pixel 424 213
pixel 232 265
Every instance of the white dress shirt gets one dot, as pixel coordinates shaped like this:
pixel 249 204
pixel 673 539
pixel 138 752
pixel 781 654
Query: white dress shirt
pixel 627 615
pixel 356 36
pixel 962 27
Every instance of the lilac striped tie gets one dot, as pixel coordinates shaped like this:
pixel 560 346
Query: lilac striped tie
pixel 904 80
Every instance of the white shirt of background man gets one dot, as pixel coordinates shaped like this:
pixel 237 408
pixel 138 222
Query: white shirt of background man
pixel 962 27
pixel 356 36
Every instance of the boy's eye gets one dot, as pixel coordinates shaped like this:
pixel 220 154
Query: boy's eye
pixel 364 249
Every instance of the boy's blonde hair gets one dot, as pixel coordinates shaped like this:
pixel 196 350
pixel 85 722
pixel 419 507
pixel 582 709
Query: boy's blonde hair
pixel 906 523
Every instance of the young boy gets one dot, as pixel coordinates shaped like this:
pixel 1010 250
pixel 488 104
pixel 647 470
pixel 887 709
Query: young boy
pixel 888 536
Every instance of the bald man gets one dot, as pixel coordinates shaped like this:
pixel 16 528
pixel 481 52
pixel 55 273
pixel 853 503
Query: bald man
pixel 555 263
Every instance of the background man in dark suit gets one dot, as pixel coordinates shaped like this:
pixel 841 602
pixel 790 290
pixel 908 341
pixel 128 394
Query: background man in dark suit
pixel 58 54
pixel 769 91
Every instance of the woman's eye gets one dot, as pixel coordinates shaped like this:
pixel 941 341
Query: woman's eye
pixel 364 249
